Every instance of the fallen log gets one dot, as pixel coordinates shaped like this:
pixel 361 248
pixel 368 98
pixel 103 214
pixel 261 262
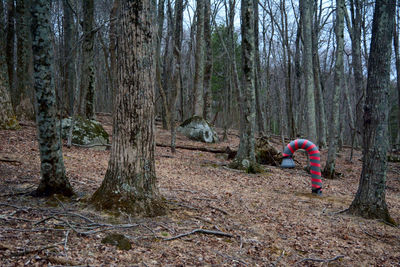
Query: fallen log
pixel 226 150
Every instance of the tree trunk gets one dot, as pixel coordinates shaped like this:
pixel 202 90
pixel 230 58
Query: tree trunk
pixel 199 61
pixel 320 107
pixel 176 64
pixel 130 182
pixel 397 57
pixel 257 74
pixel 369 201
pixel 305 13
pixel 160 24
pixel 86 107
pixel 208 61
pixel 329 169
pixel 112 48
pixel 24 90
pixel 53 178
pixel 245 158
pixel 68 82
pixel 10 50
pixel 6 111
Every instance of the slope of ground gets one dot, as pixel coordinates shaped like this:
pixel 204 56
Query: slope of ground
pixel 269 219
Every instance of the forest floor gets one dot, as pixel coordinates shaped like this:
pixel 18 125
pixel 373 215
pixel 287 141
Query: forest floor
pixel 270 219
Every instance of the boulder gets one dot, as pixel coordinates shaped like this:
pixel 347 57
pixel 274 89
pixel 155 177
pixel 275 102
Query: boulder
pixel 198 129
pixel 86 132
pixel 266 153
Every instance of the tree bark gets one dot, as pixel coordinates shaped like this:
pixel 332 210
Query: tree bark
pixel 329 169
pixel 68 81
pixel 397 58
pixel 24 92
pixel 208 61
pixel 320 107
pixel 6 110
pixel 10 50
pixel 176 63
pixel 53 178
pixel 305 13
pixel 199 61
pixel 130 182
pixel 164 105
pixel 370 201
pixel 245 158
pixel 87 90
pixel 257 74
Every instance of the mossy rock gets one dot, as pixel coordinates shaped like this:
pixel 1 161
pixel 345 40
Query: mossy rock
pixel 118 240
pixel 246 165
pixel 11 124
pixel 85 132
pixel 198 129
pixel 266 153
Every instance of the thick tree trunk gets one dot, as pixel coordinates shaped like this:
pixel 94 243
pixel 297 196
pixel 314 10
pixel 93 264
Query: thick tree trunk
pixel 6 111
pixel 245 158
pixel 87 90
pixel 24 92
pixel 130 181
pixel 369 201
pixel 199 61
pixel 53 178
pixel 208 61
pixel 305 13
pixel 329 169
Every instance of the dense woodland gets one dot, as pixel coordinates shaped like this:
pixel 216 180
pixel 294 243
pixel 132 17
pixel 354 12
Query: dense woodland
pixel 256 74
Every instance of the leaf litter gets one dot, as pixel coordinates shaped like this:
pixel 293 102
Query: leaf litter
pixel 217 216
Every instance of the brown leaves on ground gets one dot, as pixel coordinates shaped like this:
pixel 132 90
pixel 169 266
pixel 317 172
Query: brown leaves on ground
pixel 273 218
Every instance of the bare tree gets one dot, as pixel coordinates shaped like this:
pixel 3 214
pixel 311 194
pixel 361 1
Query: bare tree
pixel 199 61
pixel 86 107
pixel 329 169
pixel 54 180
pixel 245 158
pixel 370 201
pixel 208 61
pixel 130 181
pixel 6 110
pixel 305 13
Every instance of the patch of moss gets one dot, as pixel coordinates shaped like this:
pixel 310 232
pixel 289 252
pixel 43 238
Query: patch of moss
pixel 118 240
pixel 85 131
pixel 11 124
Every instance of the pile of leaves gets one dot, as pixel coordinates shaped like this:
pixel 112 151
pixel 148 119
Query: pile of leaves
pixel 217 216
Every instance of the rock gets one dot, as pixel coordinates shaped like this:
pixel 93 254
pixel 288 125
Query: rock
pixel 198 129
pixel 118 240
pixel 85 132
pixel 266 153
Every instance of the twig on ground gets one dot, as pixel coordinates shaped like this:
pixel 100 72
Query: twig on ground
pixel 219 209
pixel 321 260
pixel 278 259
pixel 232 258
pixel 66 240
pixel 29 251
pixel 339 212
pixel 365 231
pixel 43 220
pixel 202 231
